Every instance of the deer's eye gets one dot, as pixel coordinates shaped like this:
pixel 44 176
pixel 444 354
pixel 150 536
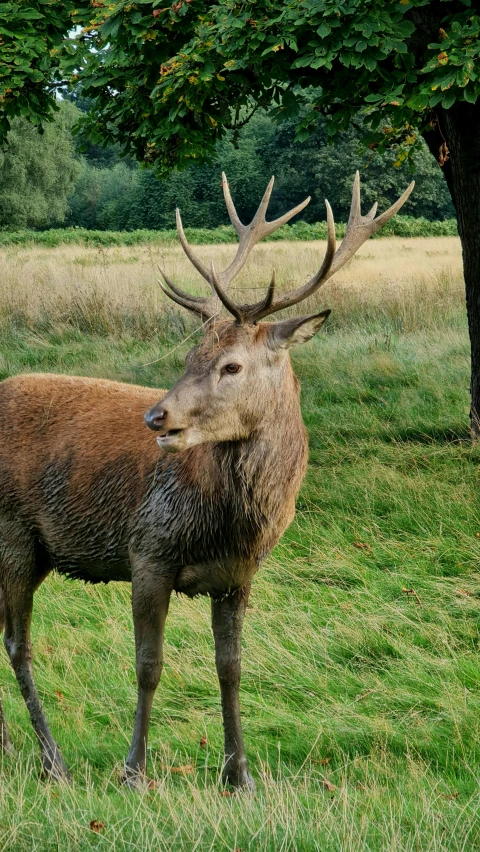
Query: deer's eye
pixel 232 369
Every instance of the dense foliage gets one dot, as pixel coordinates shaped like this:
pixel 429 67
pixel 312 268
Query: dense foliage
pixel 32 43
pixel 169 109
pixel 37 172
pixel 167 77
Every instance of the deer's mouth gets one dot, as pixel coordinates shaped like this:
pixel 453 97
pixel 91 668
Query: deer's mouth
pixel 171 439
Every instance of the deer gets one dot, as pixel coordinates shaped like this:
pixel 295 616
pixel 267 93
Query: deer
pixel 88 491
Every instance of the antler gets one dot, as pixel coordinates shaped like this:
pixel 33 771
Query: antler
pixel 359 229
pixel 248 237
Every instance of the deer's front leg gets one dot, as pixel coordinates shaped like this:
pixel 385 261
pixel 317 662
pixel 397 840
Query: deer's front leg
pixel 150 599
pixel 227 623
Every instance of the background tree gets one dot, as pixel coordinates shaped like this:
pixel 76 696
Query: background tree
pixel 37 172
pixel 170 80
pixel 115 194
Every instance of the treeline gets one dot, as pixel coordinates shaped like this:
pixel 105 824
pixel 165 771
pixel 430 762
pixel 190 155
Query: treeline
pixel 62 180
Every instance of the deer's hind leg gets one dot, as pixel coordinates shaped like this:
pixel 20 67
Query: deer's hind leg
pixel 5 741
pixel 21 571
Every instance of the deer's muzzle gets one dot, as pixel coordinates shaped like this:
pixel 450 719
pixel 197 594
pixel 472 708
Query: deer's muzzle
pixel 156 418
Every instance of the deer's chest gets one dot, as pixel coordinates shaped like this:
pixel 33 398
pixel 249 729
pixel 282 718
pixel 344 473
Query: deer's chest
pixel 213 543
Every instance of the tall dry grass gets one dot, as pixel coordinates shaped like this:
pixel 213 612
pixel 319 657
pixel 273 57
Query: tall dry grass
pixel 415 282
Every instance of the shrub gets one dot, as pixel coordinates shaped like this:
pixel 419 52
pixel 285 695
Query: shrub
pixel 400 226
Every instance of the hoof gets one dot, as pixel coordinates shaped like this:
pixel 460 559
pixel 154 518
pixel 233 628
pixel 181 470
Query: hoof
pixel 241 780
pixel 55 769
pixel 133 779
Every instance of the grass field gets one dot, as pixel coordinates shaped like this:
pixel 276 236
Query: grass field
pixel 361 674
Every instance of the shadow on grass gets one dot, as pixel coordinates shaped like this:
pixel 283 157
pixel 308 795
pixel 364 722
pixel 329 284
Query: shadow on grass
pixel 459 434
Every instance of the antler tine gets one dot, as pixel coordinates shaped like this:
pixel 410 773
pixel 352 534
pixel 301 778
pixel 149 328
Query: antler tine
pixel 355 207
pixel 178 300
pixel 384 217
pixel 259 217
pixel 252 313
pixel 233 215
pixel 271 290
pixel 360 228
pixel 270 227
pixel 268 306
pixel 250 235
pixel 200 306
pixel 181 293
pixel 197 263
pixel 230 306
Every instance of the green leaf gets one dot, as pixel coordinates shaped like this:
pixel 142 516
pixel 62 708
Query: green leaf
pixel 324 30
pixel 419 101
pixel 319 62
pixel 449 99
pixel 302 61
pixel 435 98
pixel 471 94
pixel 111 26
pixel 370 63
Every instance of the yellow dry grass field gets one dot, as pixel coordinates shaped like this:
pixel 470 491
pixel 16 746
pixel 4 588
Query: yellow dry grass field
pixel 406 276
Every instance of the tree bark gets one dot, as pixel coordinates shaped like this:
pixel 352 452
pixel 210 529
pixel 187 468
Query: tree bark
pixel 459 128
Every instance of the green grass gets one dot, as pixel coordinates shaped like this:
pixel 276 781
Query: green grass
pixel 348 678
pixel 400 226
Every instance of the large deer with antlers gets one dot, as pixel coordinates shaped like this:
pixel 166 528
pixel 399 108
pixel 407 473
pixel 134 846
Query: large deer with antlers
pixel 85 489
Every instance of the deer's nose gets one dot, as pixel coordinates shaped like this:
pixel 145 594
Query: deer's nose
pixel 156 418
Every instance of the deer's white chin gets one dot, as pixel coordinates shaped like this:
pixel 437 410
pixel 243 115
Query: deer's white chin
pixel 172 442
pixel 179 439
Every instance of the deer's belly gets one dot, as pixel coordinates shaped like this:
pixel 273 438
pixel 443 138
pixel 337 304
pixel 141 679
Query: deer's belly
pixel 93 569
pixel 213 578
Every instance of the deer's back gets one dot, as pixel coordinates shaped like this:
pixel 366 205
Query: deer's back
pixel 75 460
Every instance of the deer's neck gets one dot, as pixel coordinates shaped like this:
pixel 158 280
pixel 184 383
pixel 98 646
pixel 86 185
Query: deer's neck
pixel 261 475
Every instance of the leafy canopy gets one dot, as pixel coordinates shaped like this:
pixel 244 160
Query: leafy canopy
pixel 168 80
pixel 32 43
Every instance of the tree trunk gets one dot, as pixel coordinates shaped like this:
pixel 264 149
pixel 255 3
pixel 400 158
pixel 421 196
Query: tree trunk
pixel 459 128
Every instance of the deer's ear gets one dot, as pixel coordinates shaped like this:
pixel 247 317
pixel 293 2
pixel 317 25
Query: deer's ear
pixel 290 332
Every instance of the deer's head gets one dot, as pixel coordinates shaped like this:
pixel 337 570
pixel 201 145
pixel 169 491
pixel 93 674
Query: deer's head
pixel 234 379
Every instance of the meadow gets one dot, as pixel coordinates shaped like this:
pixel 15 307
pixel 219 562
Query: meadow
pixel 361 666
